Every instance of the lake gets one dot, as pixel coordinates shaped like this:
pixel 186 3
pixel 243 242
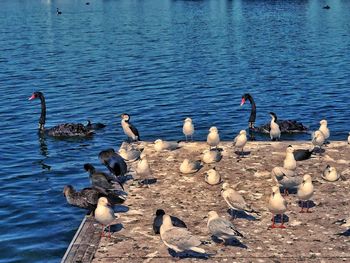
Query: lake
pixel 160 61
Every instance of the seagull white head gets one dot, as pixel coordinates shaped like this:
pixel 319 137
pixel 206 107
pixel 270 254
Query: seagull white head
pixel 290 149
pixel 212 214
pixel 323 122
pixel 188 120
pixel 243 132
pixel 103 201
pixel 213 129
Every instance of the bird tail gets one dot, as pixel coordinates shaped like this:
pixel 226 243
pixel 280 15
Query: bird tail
pixel 198 250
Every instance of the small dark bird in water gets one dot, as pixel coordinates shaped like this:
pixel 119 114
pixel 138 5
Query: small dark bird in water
pixel 94 126
pixel 303 154
pixel 103 180
pixel 87 3
pixel 113 161
pixel 87 198
pixel 58 12
pixel 326 7
pixel 158 221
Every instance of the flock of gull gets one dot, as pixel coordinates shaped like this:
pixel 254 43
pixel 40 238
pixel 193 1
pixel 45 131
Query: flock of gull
pixel 107 189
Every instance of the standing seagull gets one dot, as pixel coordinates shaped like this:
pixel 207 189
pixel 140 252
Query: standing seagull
pixel 277 206
pixel 240 141
pixel 235 201
pixel 275 132
pixel 221 228
pixel 289 162
pixel 349 138
pixel 104 215
pixel 324 129
pixel 177 238
pixel 305 192
pixel 213 138
pixel 188 128
pixel 143 169
pixel 129 129
pixel 318 139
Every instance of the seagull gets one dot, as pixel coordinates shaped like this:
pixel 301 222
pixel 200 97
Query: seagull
pixel 101 179
pixel 188 128
pixel 349 138
pixel 104 215
pixel 212 177
pixel 158 221
pixel 305 192
pixel 160 145
pixel 324 129
pixel 234 200
pixel 221 228
pixel 129 129
pixel 213 138
pixel 129 154
pixel 289 161
pixel 190 167
pixel 177 238
pixel 318 138
pixel 277 206
pixel 240 141
pixel 275 132
pixel 113 161
pixel 142 168
pixel 330 174
pixel 211 156
pixel 286 178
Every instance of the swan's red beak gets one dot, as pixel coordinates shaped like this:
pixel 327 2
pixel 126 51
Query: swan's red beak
pixel 243 101
pixel 32 97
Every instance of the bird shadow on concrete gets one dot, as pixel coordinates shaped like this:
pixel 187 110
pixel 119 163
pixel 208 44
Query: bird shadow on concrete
pixel 291 191
pixel 188 254
pixel 237 214
pixel 116 227
pixel 278 218
pixel 124 178
pixel 121 209
pixel 318 150
pixel 148 181
pixel 229 242
pixel 307 204
pixel 345 233
pixel 242 154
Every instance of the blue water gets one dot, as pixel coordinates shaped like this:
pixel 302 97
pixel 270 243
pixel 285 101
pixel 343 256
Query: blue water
pixel 160 61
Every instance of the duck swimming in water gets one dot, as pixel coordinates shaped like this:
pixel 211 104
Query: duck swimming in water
pixel 61 130
pixel 286 126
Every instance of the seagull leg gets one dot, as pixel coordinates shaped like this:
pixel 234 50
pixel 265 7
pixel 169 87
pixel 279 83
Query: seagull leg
pixel 307 207
pixel 273 222
pixel 302 207
pixel 186 137
pixel 109 231
pixel 103 231
pixel 286 193
pixel 282 226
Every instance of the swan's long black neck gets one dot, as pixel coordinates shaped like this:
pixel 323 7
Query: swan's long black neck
pixel 253 112
pixel 43 113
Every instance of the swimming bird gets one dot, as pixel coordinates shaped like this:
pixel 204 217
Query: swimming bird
pixel 326 7
pixel 94 126
pixel 129 129
pixel 129 153
pixel 288 179
pixel 87 198
pixel 113 161
pixel 188 128
pixel 160 145
pixel 177 238
pixel 303 154
pixel 211 156
pixel 212 177
pixel 213 138
pixel 158 221
pixel 58 12
pixel 61 130
pixel 190 167
pixel 235 201
pixel 330 174
pixel 221 228
pixel 324 129
pixel 104 214
pixel 101 179
pixel 240 141
pixel 275 132
pixel 277 206
pixel 305 192
pixel 289 161
pixel 318 139
pixel 143 169
pixel 286 126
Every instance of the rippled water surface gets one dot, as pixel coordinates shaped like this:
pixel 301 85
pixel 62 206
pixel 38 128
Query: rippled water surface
pixel 160 61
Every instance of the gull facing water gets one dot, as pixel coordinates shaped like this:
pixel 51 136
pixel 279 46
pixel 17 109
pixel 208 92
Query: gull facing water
pixel 190 167
pixel 240 141
pixel 188 128
pixel 289 162
pixel 211 156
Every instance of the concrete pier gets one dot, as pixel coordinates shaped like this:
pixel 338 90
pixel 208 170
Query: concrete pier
pixel 310 237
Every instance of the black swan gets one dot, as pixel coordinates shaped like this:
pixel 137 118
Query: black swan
pixel 286 126
pixel 94 126
pixel 129 129
pixel 61 130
